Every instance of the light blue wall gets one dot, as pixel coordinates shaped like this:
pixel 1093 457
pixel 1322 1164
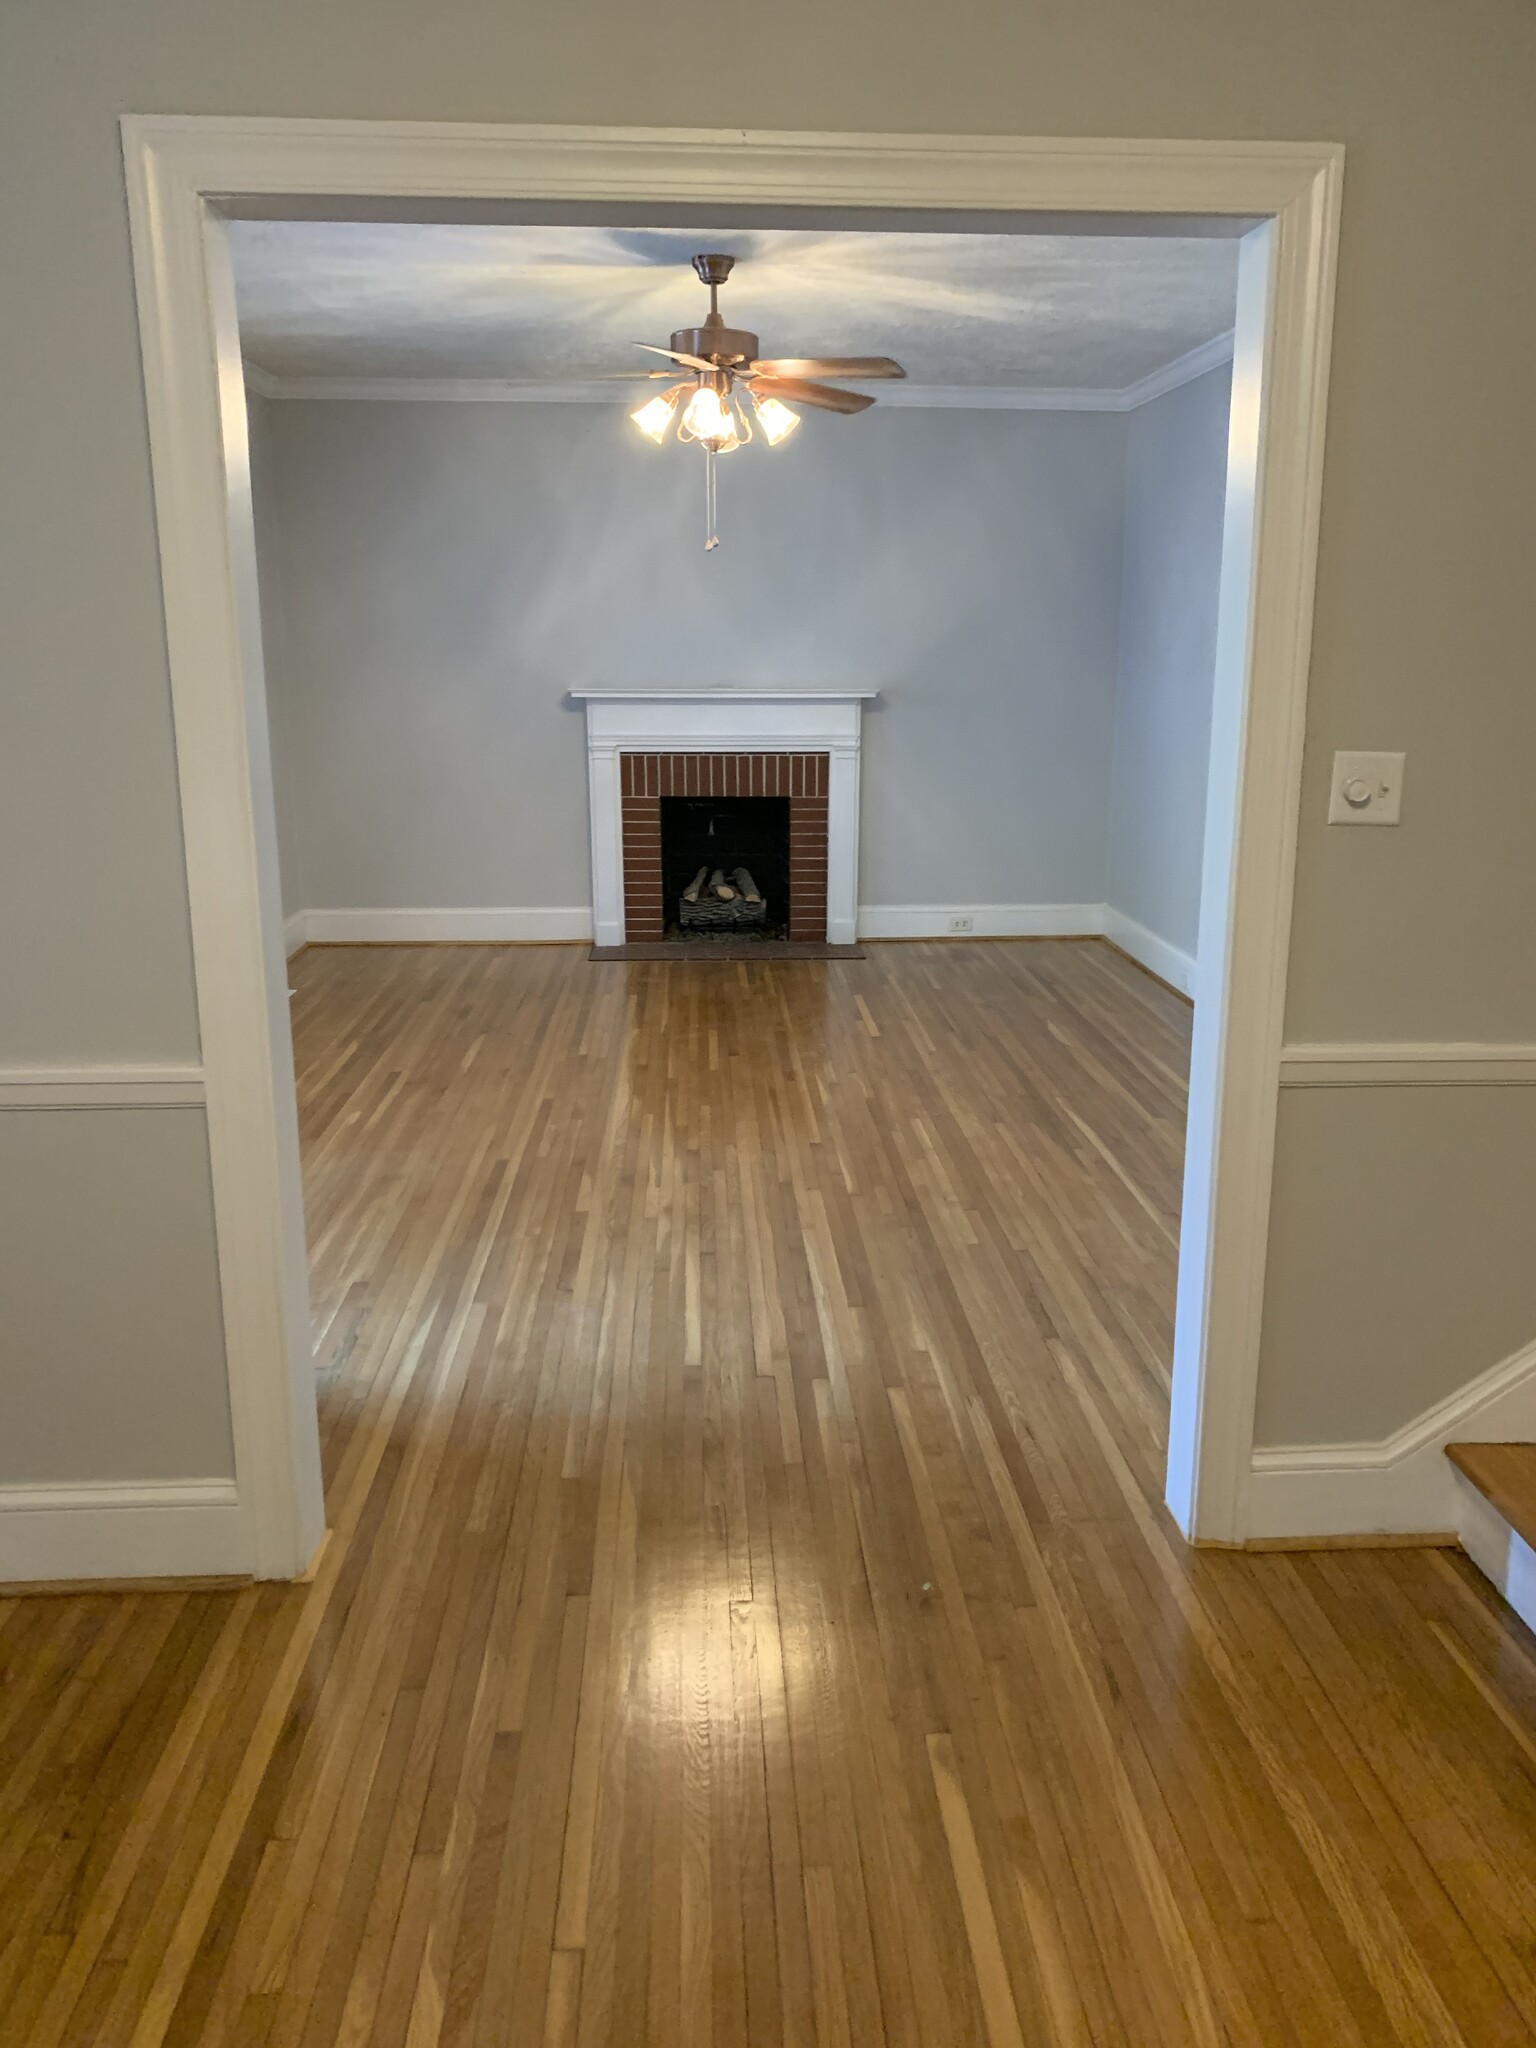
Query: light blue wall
pixel 445 573
pixel 282 737
pixel 1175 488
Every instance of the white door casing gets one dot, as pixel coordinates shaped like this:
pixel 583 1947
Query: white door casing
pixel 186 173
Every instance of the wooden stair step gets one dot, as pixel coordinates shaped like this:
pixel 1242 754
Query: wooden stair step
pixel 1505 1475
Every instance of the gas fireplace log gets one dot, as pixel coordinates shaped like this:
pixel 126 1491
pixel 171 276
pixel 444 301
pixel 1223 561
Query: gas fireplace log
pixel 722 887
pixel 695 888
pixel 749 889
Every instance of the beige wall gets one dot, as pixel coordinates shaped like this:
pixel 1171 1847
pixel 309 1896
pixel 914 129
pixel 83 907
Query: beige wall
pixel 113 1351
pixel 1406 1254
pixel 1426 614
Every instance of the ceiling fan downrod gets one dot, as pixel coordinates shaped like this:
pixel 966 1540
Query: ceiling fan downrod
pixel 714 341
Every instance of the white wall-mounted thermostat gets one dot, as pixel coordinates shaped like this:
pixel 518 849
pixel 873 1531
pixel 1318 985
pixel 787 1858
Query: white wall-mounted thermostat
pixel 1367 789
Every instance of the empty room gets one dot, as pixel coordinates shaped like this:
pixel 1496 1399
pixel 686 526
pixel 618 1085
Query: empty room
pixel 718 1095
pixel 765 1211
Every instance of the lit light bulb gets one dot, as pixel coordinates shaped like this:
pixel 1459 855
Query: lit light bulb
pixel 655 416
pixel 775 419
pixel 706 418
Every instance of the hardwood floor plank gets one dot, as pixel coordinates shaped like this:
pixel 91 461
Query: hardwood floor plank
pixel 751 1618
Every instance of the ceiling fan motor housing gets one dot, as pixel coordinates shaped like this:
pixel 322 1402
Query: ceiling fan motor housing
pixel 717 343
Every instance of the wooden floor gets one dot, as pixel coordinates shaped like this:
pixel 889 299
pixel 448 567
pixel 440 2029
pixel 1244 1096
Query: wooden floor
pixel 750 1617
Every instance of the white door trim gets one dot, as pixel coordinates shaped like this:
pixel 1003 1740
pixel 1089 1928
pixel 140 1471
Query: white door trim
pixel 185 173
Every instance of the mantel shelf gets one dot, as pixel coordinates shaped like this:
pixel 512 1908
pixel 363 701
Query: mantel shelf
pixel 724 695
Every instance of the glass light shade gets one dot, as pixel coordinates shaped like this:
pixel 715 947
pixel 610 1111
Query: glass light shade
pixel 707 418
pixel 655 416
pixel 775 419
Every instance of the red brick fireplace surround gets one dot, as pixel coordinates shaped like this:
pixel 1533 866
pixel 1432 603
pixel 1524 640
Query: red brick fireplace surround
pixel 644 779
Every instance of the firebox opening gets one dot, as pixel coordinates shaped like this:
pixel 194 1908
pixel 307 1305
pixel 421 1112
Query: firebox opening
pixel 724 833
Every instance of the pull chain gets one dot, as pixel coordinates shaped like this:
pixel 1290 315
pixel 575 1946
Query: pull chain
pixel 711 516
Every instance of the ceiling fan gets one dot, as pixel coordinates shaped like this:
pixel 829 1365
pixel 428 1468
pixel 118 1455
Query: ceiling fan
pixel 722 394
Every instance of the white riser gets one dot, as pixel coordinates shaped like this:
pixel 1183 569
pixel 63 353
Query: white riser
pixel 1496 1549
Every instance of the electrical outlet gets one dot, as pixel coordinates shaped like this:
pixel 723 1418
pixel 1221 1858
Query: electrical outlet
pixel 962 924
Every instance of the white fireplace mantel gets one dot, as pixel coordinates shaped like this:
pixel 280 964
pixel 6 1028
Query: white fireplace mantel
pixel 729 721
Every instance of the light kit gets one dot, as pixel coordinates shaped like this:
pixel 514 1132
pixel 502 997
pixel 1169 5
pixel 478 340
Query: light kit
pixel 730 395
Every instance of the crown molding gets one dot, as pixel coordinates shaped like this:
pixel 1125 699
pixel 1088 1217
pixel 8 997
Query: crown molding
pixel 998 398
pixel 618 391
pixel 1182 370
pixel 263 382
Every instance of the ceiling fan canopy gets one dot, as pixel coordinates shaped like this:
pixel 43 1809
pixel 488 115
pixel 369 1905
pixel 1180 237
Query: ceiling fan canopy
pixel 716 365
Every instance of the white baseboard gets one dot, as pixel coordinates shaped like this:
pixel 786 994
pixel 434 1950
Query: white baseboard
pixel 1403 1485
pixel 982 920
pixel 504 924
pixel 1153 953
pixel 1498 1551
pixel 164 1529
pixel 511 924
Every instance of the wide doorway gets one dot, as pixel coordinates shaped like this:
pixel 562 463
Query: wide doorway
pixel 744 1384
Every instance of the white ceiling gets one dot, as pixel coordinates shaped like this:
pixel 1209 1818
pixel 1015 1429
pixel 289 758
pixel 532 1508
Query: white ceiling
pixel 545 304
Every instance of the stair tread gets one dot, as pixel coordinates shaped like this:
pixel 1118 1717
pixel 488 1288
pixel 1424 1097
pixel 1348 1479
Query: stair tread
pixel 1505 1474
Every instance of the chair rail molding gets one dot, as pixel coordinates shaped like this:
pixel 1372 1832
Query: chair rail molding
pixel 186 174
pixel 1409 1063
pixel 104 1087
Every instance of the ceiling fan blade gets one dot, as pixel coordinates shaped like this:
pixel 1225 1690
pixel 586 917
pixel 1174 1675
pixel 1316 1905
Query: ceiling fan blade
pixel 829 366
pixel 823 396
pixel 693 362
